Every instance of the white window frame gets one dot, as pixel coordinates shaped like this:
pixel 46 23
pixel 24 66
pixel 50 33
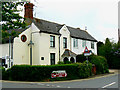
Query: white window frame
pixel 83 43
pixel 92 45
pixel 75 42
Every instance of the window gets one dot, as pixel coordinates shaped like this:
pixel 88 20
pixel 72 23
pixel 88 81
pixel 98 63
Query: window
pixel 42 58
pixel 23 38
pixel 64 42
pixel 83 43
pixel 75 42
pixel 92 45
pixel 52 58
pixel 52 41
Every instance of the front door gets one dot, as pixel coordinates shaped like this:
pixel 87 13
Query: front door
pixel 52 58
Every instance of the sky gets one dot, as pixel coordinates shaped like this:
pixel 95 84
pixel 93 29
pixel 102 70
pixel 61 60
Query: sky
pixel 99 16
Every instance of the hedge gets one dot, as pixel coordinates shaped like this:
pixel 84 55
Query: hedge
pixel 5 73
pixel 100 63
pixel 43 73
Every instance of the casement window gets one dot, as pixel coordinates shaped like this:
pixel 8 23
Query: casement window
pixel 83 43
pixel 52 41
pixel 92 45
pixel 75 42
pixel 52 58
pixel 64 42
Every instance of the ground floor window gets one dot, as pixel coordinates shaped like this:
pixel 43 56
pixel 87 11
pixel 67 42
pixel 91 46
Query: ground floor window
pixel 52 58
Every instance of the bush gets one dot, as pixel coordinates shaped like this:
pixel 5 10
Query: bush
pixel 60 62
pixel 80 58
pixel 84 70
pixel 100 63
pixel 4 74
pixel 43 73
pixel 67 62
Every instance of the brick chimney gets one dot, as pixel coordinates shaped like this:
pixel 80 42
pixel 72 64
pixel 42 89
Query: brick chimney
pixel 28 10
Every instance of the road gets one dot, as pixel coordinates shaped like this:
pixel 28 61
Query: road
pixel 107 81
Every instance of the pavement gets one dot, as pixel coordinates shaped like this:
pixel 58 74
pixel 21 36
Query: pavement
pixel 114 71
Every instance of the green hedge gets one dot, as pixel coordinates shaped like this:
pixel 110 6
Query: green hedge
pixel 100 63
pixel 43 73
pixel 5 73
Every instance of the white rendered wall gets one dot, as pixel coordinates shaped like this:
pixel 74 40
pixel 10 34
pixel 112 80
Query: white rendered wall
pixel 80 49
pixel 21 49
pixel 64 33
pixel 4 50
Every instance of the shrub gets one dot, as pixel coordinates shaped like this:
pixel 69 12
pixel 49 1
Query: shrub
pixel 67 62
pixel 5 73
pixel 80 58
pixel 60 62
pixel 100 63
pixel 84 69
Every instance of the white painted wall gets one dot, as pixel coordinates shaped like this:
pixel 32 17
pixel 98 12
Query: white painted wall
pixel 80 49
pixel 64 33
pixel 4 50
pixel 41 47
pixel 45 49
pixel 21 49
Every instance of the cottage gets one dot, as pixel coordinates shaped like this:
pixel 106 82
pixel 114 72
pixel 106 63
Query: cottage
pixel 46 43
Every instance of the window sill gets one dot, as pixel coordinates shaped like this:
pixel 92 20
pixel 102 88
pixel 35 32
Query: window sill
pixel 75 47
pixel 52 48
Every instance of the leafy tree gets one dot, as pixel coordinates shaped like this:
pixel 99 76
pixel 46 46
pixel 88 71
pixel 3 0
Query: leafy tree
pixel 115 56
pixel 111 51
pixel 11 18
pixel 108 48
pixel 99 49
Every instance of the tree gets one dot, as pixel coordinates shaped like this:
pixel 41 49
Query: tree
pixel 115 55
pixel 11 19
pixel 108 49
pixel 99 45
pixel 111 51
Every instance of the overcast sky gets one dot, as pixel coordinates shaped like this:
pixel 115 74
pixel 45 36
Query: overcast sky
pixel 100 16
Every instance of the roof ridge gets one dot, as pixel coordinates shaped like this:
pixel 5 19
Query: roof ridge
pixel 77 28
pixel 59 24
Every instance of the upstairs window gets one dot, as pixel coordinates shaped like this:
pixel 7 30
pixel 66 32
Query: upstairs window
pixel 92 45
pixel 52 41
pixel 75 42
pixel 83 43
pixel 64 42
